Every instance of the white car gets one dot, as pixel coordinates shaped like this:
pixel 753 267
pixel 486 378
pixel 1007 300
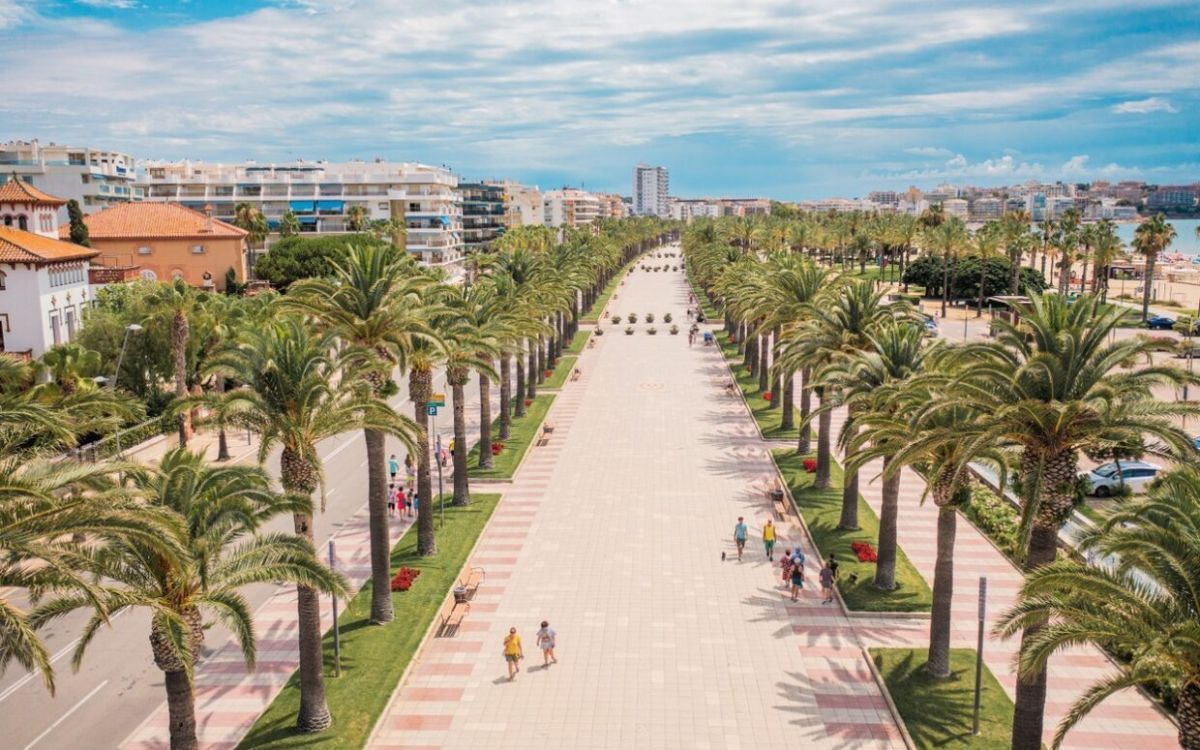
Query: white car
pixel 1106 479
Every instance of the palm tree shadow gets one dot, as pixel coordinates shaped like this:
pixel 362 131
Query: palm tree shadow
pixel 798 694
pixel 946 713
pixel 772 607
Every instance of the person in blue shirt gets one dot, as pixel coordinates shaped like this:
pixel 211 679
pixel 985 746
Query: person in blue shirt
pixel 739 536
pixel 393 467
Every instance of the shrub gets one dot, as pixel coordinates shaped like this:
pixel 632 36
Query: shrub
pixel 667 318
pixel 767 395
pixel 404 578
pixel 632 317
pixel 616 319
pixel 649 317
pixel 651 330
pixel 864 551
pixel 674 330
pixel 810 465
pixel 995 517
pixel 629 330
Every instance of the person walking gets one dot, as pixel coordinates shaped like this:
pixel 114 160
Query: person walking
pixel 797 580
pixel 513 653
pixel 393 467
pixel 545 640
pixel 785 566
pixel 739 536
pixel 392 499
pixel 410 473
pixel 827 583
pixel 768 535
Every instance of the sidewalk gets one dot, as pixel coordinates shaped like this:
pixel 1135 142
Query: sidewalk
pixel 614 532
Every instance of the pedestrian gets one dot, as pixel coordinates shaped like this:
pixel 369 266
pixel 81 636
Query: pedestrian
pixel 769 539
pixel 545 640
pixel 833 565
pixel 412 502
pixel 401 500
pixel 797 580
pixel 393 467
pixel 391 500
pixel 827 583
pixel 785 566
pixel 513 653
pixel 410 473
pixel 451 446
pixel 739 536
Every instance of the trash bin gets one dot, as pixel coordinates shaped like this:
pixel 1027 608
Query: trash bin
pixel 460 594
pixel 777 496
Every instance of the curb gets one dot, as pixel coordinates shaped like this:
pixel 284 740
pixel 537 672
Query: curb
pixel 528 452
pixel 887 696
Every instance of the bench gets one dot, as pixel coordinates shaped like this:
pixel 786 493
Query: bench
pixel 547 428
pixel 576 374
pixel 779 502
pixel 470 582
pixel 452 618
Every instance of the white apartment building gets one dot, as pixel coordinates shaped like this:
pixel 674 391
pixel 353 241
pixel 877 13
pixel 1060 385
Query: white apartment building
pixel 650 188
pixel 985 209
pixel 324 197
pixel 94 177
pixel 522 203
pixel 956 207
pixel 570 207
pixel 687 210
pixel 43 280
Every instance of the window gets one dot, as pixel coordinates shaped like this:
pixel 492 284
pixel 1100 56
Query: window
pixel 197 249
pixel 144 250
pixel 8 221
pixel 148 275
pixel 3 278
pixel 23 222
pixel 55 333
pixel 70 323
pixel 85 178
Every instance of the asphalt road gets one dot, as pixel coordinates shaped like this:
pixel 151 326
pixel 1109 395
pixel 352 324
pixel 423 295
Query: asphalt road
pixel 118 685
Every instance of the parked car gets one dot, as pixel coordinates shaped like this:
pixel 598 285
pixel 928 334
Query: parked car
pixel 1160 323
pixel 1196 442
pixel 930 325
pixel 1107 479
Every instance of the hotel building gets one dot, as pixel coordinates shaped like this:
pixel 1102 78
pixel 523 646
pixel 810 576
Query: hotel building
pixel 570 207
pixel 651 186
pixel 483 214
pixel 94 177
pixel 324 197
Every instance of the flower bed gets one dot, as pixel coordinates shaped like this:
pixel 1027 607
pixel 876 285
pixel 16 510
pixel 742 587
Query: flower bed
pixel 864 551
pixel 810 465
pixel 404 578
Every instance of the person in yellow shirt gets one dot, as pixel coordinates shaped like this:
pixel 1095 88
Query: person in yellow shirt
pixel 769 539
pixel 513 653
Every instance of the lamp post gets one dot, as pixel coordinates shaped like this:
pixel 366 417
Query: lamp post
pixel 131 328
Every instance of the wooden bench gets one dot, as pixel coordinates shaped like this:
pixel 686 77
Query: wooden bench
pixel 779 502
pixel 576 374
pixel 471 582
pixel 452 618
pixel 547 428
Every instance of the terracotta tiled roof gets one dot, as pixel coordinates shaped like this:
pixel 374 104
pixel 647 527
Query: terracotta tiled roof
pixel 16 190
pixel 18 246
pixel 154 221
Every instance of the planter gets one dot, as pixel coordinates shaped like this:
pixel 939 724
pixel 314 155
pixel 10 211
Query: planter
pixel 649 317
pixel 777 495
pixel 651 330
pixel 616 319
pixel 674 330
pixel 667 318
pixel 599 331
pixel 632 317
pixel 629 331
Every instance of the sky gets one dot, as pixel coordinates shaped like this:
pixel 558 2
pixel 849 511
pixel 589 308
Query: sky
pixel 790 99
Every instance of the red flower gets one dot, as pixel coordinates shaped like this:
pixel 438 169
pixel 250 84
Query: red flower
pixel 864 551
pixel 810 465
pixel 404 578
pixel 767 396
pixel 529 402
pixel 549 373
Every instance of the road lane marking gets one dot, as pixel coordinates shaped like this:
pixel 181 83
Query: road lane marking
pixel 66 716
pixel 58 655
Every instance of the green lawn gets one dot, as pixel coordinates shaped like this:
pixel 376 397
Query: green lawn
pixel 524 431
pixel 768 419
pixel 938 713
pixel 577 343
pixel 559 378
pixel 706 305
pixel 375 657
pixel 821 510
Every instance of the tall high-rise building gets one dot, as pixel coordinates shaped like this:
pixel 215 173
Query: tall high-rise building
pixel 94 177
pixel 650 188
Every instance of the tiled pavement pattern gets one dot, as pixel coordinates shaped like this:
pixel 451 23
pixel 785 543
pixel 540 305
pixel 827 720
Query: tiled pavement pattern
pixel 1123 722
pixel 614 533
pixel 228 698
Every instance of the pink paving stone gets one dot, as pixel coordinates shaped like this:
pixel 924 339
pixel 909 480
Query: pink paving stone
pixel 454 646
pixel 493 561
pixel 855 731
pixel 500 547
pixel 507 535
pixel 474 626
pixel 210 692
pixel 390 746
pixel 419 722
pixel 1106 741
pixel 847 674
pixel 484 606
pixel 431 694
pixel 499 574
pixel 834 652
pixel 441 669
pixel 829 701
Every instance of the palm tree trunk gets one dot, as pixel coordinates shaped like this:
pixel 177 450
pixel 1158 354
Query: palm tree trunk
pixel 1083 275
pixel 1146 284
pixel 420 387
pixel 485 421
pixel 531 374
pixel 1064 274
pixel 945 282
pixel 519 401
pixel 1189 717
pixel 381 566
pixel 849 518
pixel 938 661
pixel 889 514
pixel 179 339
pixel 505 395
pixel 462 490
pixel 824 457
pixel 541 363
pixel 804 445
pixel 298 475
pixel 181 710
pixel 1014 281
pixel 1030 703
pixel 982 280
pixel 764 363
pixel 788 386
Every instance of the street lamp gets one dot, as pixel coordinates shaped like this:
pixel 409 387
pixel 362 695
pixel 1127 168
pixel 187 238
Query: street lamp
pixel 131 328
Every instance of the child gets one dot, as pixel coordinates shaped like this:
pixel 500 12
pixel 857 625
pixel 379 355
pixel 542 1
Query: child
pixel 391 498
pixel 785 565
pixel 797 580
pixel 401 500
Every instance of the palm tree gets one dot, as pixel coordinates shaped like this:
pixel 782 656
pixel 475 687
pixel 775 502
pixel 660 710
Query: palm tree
pixel 467 348
pixel 946 239
pixel 372 301
pixel 289 225
pixel 211 551
pixel 1145 607
pixel 175 300
pixel 1050 389
pixel 868 381
pixel 986 244
pixel 1068 246
pixel 1106 248
pixel 1017 241
pixel 70 367
pixel 1151 238
pixel 494 324
pixel 295 395
pixel 247 216
pixel 356 218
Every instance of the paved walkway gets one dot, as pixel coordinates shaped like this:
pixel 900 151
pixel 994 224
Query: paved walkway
pixel 614 533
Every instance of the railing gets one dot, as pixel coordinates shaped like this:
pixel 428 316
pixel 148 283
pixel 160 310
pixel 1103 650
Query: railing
pixel 112 445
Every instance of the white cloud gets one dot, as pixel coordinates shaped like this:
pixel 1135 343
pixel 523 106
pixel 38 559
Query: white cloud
pixel 114 4
pixel 932 151
pixel 958 161
pixel 1144 106
pixel 1076 165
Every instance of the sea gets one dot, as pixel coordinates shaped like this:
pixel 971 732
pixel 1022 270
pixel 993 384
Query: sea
pixel 1185 242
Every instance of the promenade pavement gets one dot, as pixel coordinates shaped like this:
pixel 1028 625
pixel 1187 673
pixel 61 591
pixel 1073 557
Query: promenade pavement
pixel 614 532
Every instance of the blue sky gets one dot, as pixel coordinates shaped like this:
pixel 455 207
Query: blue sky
pixel 791 99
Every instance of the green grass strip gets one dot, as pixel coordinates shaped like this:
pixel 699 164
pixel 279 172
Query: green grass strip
pixel 769 420
pixel 821 510
pixel 593 315
pixel 938 713
pixel 577 343
pixel 559 377
pixel 524 432
pixel 710 311
pixel 374 657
